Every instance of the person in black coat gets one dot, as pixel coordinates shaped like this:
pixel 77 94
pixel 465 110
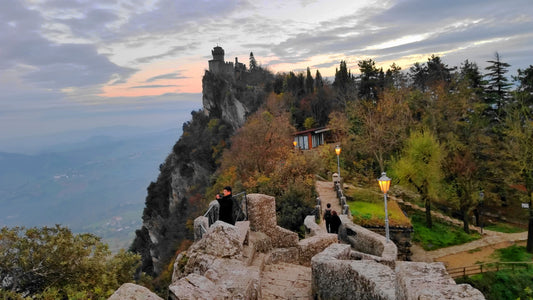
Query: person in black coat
pixel 226 206
pixel 335 222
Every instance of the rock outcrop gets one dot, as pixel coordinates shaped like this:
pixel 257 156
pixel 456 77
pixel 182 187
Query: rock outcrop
pixel 227 261
pixel 133 292
pixel 186 172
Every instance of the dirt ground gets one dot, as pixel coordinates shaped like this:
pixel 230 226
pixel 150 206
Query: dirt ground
pixel 466 258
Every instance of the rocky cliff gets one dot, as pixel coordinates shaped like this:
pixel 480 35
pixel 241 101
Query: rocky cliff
pixel 178 194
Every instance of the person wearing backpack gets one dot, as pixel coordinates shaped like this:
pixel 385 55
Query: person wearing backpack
pixel 327 217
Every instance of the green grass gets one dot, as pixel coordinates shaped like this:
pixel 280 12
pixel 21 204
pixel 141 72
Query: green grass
pixel 514 253
pixel 368 209
pixel 504 227
pixel 440 235
pixel 505 284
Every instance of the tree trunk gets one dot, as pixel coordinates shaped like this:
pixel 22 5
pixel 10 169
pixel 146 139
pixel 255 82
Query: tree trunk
pixel 429 224
pixel 466 224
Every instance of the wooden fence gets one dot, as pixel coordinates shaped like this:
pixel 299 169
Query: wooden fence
pixel 488 267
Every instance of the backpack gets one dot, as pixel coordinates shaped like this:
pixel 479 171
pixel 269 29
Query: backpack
pixel 327 215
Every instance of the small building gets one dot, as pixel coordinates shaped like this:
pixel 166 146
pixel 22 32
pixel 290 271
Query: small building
pixel 311 138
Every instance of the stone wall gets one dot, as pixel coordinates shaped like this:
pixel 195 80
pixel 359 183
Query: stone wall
pixel 337 275
pixel 401 236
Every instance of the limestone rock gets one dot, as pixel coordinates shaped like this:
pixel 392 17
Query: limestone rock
pixel 417 280
pixel 195 286
pixel 132 291
pixel 262 217
pixel 309 247
pixel 221 240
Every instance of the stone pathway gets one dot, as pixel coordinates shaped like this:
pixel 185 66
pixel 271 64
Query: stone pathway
pixel 289 281
pixel 327 195
pixel 286 281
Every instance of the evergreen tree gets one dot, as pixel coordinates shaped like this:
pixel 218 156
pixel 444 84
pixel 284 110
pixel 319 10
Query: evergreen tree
pixel 253 62
pixel 525 87
pixel 437 71
pixel 319 82
pixel 309 82
pixel 371 79
pixel 497 88
pixel 419 76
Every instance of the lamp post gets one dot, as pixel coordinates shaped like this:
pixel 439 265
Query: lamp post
pixel 295 143
pixel 338 152
pixel 384 184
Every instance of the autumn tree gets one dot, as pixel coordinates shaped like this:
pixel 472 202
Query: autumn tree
pixel 381 126
pixel 519 146
pixel 419 166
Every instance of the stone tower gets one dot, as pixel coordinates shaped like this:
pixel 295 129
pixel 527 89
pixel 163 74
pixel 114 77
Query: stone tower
pixel 217 65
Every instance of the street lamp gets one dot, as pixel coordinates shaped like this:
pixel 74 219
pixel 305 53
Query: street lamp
pixel 338 151
pixel 295 143
pixel 384 184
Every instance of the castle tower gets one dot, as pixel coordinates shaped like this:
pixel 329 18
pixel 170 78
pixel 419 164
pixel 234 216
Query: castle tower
pixel 217 65
pixel 218 53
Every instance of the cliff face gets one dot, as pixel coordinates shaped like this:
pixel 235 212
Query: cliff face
pixel 231 100
pixel 176 197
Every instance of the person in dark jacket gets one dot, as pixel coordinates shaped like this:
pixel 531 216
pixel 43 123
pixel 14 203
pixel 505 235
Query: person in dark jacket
pixel 327 217
pixel 335 222
pixel 226 206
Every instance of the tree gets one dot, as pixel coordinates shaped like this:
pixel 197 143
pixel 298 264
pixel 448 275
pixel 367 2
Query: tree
pixel 469 73
pixel 370 84
pixel 420 165
pixel 381 126
pixel 464 183
pixel 498 85
pixel 253 62
pixel 419 77
pixel 309 82
pixel 394 77
pixel 525 79
pixel 437 71
pixel 319 82
pixel 53 260
pixel 519 146
pixel 344 85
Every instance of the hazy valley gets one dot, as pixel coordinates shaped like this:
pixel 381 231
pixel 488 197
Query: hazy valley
pixel 96 185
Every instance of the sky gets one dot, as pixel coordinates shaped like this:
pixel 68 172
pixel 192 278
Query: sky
pixel 77 64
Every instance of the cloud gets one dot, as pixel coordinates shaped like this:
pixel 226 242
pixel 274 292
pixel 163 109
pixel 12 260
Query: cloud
pixel 173 75
pixel 49 64
pixel 153 86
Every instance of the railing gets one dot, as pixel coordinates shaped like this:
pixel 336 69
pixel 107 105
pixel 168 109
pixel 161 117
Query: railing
pixel 342 199
pixel 488 267
pixel 239 214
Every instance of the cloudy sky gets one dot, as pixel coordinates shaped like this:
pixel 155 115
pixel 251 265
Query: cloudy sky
pixel 71 64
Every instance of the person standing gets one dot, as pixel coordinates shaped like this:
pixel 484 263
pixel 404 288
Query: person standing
pixel 226 206
pixel 327 217
pixel 335 222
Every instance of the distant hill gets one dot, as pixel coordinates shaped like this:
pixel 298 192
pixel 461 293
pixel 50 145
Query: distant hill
pixel 97 185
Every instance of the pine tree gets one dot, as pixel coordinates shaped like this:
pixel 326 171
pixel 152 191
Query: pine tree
pixel 309 82
pixel 497 88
